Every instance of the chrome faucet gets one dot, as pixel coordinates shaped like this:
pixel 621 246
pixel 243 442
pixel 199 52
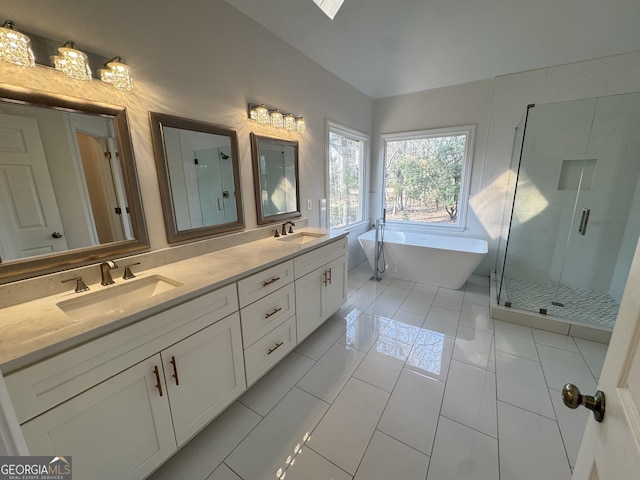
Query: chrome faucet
pixel 284 227
pixel 105 271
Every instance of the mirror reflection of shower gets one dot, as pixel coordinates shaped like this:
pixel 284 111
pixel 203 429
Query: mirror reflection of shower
pixel 573 221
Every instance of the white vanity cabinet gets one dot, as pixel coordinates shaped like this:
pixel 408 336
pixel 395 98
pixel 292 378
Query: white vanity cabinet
pixel 204 373
pixel 321 285
pixel 120 421
pixel 267 301
pixel 119 429
pixel 123 403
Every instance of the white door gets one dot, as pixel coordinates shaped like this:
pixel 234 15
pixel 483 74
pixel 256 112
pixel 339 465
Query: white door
pixel 611 449
pixel 29 217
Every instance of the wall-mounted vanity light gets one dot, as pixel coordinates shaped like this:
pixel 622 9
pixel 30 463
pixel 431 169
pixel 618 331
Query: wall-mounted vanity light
pixel 72 62
pixel 117 74
pixel 15 47
pixel 28 50
pixel 265 116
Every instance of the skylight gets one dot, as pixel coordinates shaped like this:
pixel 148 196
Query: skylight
pixel 329 7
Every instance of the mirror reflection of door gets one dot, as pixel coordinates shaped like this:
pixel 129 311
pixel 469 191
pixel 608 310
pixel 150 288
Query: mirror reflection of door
pixel 62 182
pixel 29 215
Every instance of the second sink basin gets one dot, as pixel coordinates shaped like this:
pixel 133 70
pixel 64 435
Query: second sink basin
pixel 117 298
pixel 300 237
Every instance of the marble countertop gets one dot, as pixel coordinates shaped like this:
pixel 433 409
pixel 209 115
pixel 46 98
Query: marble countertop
pixel 35 330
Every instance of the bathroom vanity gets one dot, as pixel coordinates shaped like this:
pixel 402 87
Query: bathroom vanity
pixel 121 390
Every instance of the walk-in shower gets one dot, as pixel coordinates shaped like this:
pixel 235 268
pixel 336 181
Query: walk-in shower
pixel 573 212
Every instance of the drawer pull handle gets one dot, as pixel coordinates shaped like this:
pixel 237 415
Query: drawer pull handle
pixel 324 278
pixel 269 282
pixel 271 350
pixel 158 384
pixel 175 370
pixel 329 279
pixel 275 310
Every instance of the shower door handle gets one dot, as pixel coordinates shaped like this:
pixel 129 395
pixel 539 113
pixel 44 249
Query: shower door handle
pixel 582 229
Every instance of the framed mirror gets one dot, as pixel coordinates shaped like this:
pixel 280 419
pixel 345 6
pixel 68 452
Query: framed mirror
pixel 69 190
pixel 199 177
pixel 275 178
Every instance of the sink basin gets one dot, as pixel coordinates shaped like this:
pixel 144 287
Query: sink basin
pixel 300 238
pixel 118 298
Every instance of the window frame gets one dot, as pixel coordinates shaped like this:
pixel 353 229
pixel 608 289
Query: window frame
pixel 365 138
pixel 465 182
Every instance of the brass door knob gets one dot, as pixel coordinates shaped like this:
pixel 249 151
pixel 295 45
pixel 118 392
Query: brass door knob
pixel 572 398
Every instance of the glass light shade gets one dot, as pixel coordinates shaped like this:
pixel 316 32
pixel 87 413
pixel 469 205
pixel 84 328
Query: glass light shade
pixel 289 122
pixel 253 114
pixel 263 115
pixel 301 126
pixel 117 74
pixel 73 63
pixel 277 119
pixel 15 47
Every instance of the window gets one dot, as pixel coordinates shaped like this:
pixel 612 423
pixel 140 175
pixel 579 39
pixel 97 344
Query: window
pixel 347 152
pixel 426 176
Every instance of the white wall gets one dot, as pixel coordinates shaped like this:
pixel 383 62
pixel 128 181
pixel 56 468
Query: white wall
pixel 200 60
pixel 466 104
pixel 496 106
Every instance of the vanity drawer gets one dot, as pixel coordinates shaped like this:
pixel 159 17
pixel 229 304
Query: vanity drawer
pixel 269 350
pixel 320 256
pixel 263 283
pixel 264 315
pixel 43 385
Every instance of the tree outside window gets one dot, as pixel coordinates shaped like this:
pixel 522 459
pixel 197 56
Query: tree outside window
pixel 424 177
pixel 346 153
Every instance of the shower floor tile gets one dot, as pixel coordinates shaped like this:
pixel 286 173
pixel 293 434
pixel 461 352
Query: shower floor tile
pixel 596 308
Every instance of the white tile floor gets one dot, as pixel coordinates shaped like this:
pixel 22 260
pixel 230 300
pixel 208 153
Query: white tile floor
pixel 406 381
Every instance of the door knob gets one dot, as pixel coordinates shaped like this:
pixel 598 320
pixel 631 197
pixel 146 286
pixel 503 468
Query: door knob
pixel 56 235
pixel 572 398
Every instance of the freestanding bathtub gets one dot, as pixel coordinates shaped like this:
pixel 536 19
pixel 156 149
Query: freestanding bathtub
pixel 445 261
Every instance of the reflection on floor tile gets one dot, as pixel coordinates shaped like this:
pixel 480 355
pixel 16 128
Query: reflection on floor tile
pixel 470 398
pixel 431 354
pixel 386 458
pixel 359 406
pixel 209 448
pixel 258 456
pixel 327 377
pixel 473 346
pixel 308 465
pixel 562 366
pixel 442 320
pixel 521 382
pixel 411 415
pixel 383 363
pixel 406 381
pixel 270 389
pixel 530 446
pixel 223 472
pixel 461 453
pixel 317 345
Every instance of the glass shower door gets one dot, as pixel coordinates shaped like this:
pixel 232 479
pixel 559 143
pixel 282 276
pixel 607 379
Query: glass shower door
pixel 606 224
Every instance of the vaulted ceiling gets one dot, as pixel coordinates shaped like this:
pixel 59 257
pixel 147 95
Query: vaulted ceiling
pixel 392 47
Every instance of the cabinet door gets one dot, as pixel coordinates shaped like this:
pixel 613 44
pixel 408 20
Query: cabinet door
pixel 119 429
pixel 204 373
pixel 310 292
pixel 336 289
